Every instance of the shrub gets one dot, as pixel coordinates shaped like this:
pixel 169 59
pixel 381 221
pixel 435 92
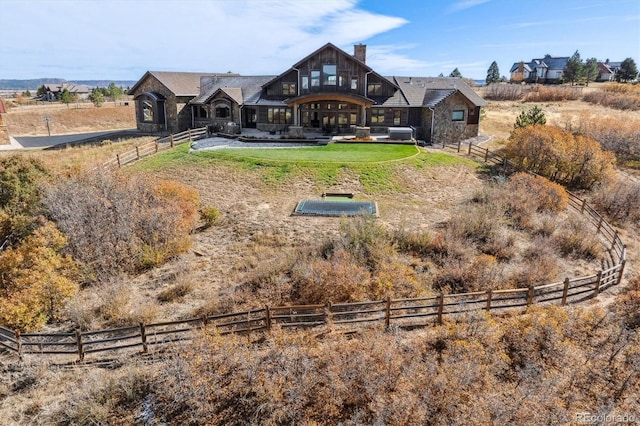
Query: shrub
pixel 36 279
pixel 211 216
pixel 576 238
pixel 19 180
pixel 576 161
pixel 533 115
pixel 119 223
pixel 619 199
pixel 504 92
pixel 628 305
pixel 526 194
pixel 552 94
pixel 619 134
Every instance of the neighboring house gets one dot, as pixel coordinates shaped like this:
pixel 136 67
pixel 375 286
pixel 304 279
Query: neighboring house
pixel 162 100
pixel 53 91
pixel 547 70
pixel 328 91
pixel 605 72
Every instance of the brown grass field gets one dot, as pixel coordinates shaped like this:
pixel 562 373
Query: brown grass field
pixel 257 230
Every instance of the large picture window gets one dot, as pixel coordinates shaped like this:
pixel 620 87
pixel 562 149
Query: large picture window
pixel 279 115
pixel 330 75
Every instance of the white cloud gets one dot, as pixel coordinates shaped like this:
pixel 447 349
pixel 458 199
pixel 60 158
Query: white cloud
pixel 103 39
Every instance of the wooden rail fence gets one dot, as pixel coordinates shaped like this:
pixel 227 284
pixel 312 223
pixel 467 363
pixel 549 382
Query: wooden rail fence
pixel 401 313
pixel 154 147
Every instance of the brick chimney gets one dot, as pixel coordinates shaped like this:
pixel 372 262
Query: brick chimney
pixel 360 52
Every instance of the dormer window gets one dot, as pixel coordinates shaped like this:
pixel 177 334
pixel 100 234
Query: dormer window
pixel 374 89
pixel 289 89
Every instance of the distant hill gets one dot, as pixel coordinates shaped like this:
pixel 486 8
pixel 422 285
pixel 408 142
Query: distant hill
pixel 34 83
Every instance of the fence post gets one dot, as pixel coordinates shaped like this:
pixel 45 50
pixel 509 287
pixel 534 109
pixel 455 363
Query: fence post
pixel 143 336
pixel 387 313
pixel 328 317
pixel 137 153
pixel 624 261
pixel 613 242
pixel 489 295
pixel 599 225
pixel 18 344
pixel 530 295
pixel 267 313
pixel 440 307
pixel 584 203
pixel 565 291
pixel 118 158
pixel 596 291
pixel 486 155
pixel 189 130
pixel 156 147
pixel 469 153
pixel 171 140
pixel 80 346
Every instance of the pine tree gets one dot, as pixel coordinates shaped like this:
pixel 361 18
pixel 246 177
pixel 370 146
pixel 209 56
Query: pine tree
pixel 528 118
pixel 493 73
pixel 628 71
pixel 591 70
pixel 574 69
pixel 455 73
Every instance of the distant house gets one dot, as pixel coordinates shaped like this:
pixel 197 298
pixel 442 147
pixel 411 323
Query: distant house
pixel 53 91
pixel 605 72
pixel 328 91
pixel 162 100
pixel 547 70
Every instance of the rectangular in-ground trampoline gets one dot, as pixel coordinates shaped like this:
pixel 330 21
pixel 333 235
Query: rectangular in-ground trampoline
pixel 335 208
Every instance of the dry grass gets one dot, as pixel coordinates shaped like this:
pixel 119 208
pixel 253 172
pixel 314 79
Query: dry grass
pixel 76 118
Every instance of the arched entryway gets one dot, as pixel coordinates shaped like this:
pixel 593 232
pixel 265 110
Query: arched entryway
pixel 330 112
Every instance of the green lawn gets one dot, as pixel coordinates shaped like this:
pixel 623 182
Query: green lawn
pixel 374 165
pixel 332 153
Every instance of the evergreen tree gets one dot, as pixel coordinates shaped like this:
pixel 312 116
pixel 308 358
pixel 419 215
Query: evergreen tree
pixel 96 97
pixel 528 118
pixel 114 92
pixel 591 70
pixel 574 69
pixel 66 97
pixel 628 71
pixel 493 73
pixel 455 73
pixel 41 91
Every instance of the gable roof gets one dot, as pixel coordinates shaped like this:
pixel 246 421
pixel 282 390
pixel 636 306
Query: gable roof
pixel 340 52
pixel 242 89
pixel 430 91
pixel 178 83
pixel 72 88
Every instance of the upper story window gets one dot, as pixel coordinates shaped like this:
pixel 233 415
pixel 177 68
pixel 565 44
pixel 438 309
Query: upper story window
pixel 305 82
pixel 397 117
pixel 457 115
pixel 289 89
pixel 315 78
pixel 354 83
pixel 374 89
pixel 330 75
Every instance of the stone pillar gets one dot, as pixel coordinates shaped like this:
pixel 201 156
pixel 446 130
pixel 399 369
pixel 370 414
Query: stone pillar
pixel 363 132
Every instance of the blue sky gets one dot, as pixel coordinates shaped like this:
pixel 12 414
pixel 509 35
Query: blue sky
pixel 121 39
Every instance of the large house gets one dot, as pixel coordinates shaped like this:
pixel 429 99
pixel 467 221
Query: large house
pixel 547 70
pixel 328 91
